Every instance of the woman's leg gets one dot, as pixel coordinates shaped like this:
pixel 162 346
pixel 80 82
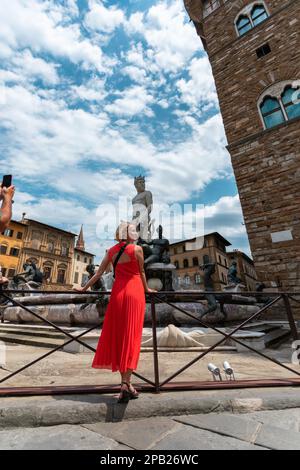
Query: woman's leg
pixel 126 377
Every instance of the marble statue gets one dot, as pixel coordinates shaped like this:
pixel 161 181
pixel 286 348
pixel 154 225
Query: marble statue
pixel 232 277
pixel 209 269
pixel 142 207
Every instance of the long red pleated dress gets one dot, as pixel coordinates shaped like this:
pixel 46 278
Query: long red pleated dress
pixel 120 340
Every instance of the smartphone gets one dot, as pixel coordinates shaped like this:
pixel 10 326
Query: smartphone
pixel 7 181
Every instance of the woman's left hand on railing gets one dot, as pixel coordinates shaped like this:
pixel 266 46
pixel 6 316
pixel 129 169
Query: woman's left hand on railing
pixel 79 289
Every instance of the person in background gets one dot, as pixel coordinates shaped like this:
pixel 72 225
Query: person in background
pixel 6 199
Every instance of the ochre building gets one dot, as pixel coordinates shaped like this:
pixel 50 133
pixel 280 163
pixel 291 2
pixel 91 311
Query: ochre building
pixel 189 262
pixel 52 250
pixel 11 244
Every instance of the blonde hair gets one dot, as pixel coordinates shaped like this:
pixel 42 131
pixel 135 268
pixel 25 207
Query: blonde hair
pixel 122 231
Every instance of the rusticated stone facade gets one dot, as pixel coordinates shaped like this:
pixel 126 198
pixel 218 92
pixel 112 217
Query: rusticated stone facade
pixel 266 162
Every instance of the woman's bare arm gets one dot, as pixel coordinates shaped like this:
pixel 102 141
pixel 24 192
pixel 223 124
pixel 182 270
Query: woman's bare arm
pixel 6 195
pixel 104 264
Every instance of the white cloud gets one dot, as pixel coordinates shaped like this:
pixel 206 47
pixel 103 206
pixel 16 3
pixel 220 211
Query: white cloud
pixel 166 29
pixel 29 23
pixel 29 67
pixel 93 90
pixel 200 88
pixel 163 103
pixel 100 18
pixel 133 101
pixel 135 23
pixel 64 140
pixel 136 74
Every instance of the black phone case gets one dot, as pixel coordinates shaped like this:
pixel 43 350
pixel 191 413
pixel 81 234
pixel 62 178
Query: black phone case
pixel 7 180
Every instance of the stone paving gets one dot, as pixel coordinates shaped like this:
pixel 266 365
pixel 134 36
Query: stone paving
pixel 264 430
pixel 63 368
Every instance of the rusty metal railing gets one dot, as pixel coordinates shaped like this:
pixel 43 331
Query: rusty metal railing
pixel 167 384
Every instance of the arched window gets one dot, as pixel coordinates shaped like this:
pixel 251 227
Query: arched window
pixel 14 251
pixel 47 270
pixel 252 15
pixel 176 264
pixel 197 279
pixel 3 249
pixel 195 261
pixel 271 112
pixel 61 273
pixel 258 14
pixel 187 280
pixel 185 263
pixel 291 101
pixel 243 24
pixel 279 103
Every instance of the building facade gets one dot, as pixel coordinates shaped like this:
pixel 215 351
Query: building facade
pixel 82 259
pixel 52 250
pixel 245 269
pixel 11 244
pixel 254 51
pixel 188 262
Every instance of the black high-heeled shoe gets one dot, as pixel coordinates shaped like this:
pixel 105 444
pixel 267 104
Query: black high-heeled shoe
pixel 125 395
pixel 134 394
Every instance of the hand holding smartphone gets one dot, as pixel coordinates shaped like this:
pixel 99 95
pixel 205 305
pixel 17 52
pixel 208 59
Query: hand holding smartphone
pixel 7 183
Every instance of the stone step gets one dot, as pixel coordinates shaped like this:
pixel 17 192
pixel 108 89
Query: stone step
pixel 40 334
pixel 40 331
pixel 31 333
pixel 29 341
pixel 276 337
pixel 263 328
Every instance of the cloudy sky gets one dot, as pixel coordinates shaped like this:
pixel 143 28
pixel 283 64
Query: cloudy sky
pixel 93 93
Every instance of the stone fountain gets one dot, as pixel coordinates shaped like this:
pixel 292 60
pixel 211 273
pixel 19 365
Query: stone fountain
pixel 83 310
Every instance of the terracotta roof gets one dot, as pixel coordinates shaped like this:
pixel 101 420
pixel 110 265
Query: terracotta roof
pixel 216 234
pixel 50 226
pixel 83 251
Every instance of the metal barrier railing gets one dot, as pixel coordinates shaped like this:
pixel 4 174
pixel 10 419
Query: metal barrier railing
pixel 167 298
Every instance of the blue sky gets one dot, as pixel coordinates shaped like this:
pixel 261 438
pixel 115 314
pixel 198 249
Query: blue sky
pixel 95 92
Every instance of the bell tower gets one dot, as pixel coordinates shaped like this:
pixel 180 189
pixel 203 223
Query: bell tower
pixel 254 51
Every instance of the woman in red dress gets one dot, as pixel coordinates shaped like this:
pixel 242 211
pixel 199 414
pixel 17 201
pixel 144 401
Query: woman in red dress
pixel 120 341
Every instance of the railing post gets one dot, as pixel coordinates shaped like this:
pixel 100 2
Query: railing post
pixel 290 316
pixel 155 352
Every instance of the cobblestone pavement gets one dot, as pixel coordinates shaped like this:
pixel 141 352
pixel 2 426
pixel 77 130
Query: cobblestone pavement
pixel 254 431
